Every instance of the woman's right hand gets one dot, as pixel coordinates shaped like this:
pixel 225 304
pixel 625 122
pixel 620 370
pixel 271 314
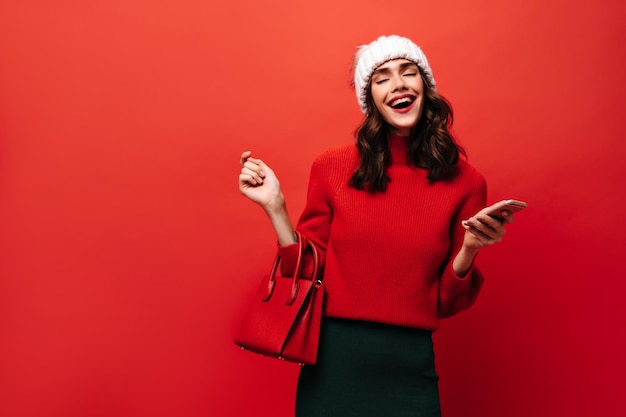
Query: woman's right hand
pixel 258 182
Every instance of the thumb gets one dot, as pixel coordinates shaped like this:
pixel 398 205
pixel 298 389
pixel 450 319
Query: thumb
pixel 244 157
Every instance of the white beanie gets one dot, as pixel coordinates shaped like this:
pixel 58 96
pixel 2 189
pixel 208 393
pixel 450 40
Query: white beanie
pixel 369 57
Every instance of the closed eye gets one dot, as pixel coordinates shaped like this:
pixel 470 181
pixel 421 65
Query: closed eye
pixel 381 81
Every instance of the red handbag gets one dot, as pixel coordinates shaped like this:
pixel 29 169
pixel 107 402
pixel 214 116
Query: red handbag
pixel 285 316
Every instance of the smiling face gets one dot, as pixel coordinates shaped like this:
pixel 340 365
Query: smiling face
pixel 398 93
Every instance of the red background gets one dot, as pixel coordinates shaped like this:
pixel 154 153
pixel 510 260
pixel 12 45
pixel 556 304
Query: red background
pixel 128 255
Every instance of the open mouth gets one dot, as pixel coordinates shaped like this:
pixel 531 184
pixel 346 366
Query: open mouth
pixel 402 102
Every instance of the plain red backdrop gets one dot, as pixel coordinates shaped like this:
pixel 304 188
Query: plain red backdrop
pixel 127 254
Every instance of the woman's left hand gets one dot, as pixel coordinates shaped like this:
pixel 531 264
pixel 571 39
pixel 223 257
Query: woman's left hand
pixel 483 229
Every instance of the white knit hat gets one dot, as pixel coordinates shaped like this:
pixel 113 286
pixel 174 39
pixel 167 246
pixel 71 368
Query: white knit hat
pixel 369 57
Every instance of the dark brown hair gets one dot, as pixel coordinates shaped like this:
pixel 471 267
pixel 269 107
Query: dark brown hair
pixel 431 145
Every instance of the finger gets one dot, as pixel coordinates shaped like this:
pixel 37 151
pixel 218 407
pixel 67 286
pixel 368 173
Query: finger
pixel 257 161
pixel 244 156
pixel 484 230
pixel 505 216
pixel 494 227
pixel 263 167
pixel 481 236
pixel 508 217
pixel 252 174
pixel 491 221
pixel 252 165
pixel 246 180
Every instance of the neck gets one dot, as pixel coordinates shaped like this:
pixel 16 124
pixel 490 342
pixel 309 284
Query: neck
pixel 401 131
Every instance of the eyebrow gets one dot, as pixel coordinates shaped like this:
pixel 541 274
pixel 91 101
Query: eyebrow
pixel 403 66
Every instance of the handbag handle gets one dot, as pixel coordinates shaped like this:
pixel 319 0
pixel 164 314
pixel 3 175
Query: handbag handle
pixel 316 263
pixel 295 285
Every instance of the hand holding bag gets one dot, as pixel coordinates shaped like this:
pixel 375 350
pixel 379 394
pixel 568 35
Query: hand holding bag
pixel 285 316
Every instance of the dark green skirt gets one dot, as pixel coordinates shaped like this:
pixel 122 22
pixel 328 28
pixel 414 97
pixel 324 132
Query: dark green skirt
pixel 370 369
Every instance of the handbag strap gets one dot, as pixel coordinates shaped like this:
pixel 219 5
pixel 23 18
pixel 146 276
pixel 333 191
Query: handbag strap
pixel 316 263
pixel 303 244
pixel 272 278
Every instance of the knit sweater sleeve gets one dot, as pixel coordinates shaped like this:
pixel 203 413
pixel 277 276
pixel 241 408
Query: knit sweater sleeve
pixel 455 293
pixel 315 220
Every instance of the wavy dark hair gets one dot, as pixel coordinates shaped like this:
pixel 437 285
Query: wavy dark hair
pixel 431 144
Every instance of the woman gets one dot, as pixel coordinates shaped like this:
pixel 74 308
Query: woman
pixel 399 220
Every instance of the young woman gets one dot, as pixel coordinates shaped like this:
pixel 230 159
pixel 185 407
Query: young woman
pixel 398 218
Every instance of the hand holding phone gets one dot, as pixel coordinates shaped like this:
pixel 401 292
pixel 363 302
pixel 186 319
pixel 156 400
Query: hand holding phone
pixel 511 206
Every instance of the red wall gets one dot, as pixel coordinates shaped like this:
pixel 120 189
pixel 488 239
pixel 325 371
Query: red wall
pixel 127 254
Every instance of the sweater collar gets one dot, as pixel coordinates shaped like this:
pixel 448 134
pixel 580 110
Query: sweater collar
pixel 398 148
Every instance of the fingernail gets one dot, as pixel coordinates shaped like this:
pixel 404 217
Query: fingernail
pixel 262 173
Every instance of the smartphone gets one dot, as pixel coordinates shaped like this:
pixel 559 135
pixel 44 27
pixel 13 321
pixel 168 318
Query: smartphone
pixel 509 205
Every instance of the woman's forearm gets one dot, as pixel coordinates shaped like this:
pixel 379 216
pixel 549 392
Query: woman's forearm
pixel 463 261
pixel 279 217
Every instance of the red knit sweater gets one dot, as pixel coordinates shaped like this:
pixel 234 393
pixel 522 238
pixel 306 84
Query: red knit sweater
pixel 388 256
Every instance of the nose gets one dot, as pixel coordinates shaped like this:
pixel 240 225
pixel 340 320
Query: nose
pixel 398 82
